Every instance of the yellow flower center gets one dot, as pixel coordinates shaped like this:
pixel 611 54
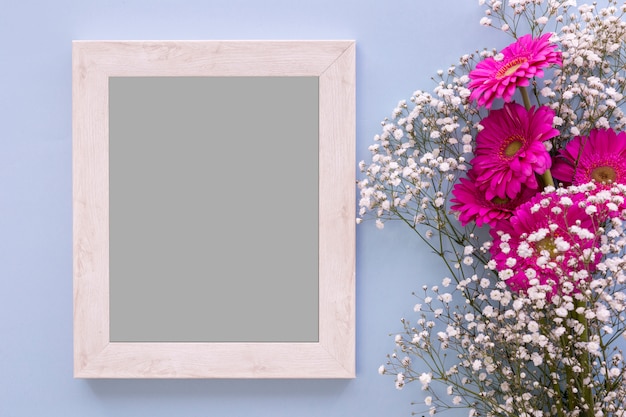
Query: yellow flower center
pixel 547 244
pixel 604 174
pixel 510 67
pixel 500 201
pixel 512 148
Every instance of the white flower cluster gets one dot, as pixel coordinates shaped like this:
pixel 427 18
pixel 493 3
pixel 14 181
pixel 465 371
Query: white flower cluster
pixel 420 153
pixel 589 89
pixel 424 146
pixel 499 352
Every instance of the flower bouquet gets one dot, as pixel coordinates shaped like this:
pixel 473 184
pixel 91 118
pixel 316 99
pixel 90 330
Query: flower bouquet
pixel 513 171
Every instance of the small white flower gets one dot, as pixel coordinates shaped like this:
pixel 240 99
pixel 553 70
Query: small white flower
pixel 566 201
pixel 603 314
pixel 425 378
pixel 485 21
pixel 505 274
pixel 536 358
pixel 446 298
pixel 561 312
pixel 594 348
pixel 561 244
pixel 400 381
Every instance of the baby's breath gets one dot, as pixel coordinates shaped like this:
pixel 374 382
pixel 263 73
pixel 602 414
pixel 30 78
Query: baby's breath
pixel 497 350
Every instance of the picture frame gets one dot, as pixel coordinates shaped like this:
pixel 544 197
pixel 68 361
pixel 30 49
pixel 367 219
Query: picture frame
pixel 332 354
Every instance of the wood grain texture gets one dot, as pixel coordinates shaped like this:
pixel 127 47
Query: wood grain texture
pixel 334 63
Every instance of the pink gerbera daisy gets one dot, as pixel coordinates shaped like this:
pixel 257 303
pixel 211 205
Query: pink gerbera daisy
pixel 472 205
pixel 498 78
pixel 549 239
pixel 599 157
pixel 510 149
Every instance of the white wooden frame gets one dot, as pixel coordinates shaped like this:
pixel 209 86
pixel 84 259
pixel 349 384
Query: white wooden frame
pixel 333 356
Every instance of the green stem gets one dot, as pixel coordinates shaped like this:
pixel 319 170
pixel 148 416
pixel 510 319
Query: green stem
pixel 546 177
pixel 525 97
pixel 585 364
pixel 559 404
pixel 569 384
pixel 553 369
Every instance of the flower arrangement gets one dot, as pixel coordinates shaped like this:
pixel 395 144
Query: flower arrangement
pixel 513 171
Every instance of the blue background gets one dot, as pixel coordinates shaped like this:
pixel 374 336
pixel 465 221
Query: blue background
pixel 400 45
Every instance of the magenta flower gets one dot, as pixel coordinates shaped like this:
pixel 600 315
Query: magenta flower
pixel 498 78
pixel 551 239
pixel 472 205
pixel 599 157
pixel 510 149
